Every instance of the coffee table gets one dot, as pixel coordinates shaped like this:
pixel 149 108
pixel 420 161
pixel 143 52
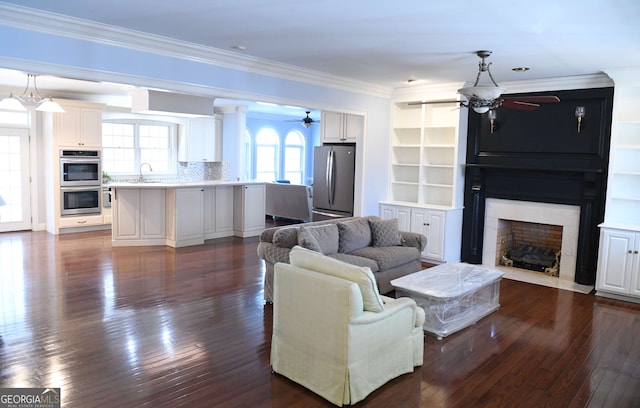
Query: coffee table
pixel 453 296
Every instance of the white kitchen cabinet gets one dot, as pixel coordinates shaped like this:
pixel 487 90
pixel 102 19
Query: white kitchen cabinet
pixel 201 141
pixel 80 126
pixel 185 216
pixel 217 219
pixel 76 221
pixel 138 215
pixel 249 217
pixel 443 228
pixel 619 264
pixel 341 127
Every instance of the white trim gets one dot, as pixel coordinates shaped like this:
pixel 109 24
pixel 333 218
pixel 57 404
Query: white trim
pixel 65 26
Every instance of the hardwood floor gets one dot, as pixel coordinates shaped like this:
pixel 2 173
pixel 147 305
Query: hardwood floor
pixel 164 327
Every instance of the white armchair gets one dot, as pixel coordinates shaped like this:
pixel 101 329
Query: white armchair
pixel 325 340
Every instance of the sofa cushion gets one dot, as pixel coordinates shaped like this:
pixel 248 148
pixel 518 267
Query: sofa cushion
pixel 385 232
pixel 286 237
pixel 388 257
pixel 354 235
pixel 356 260
pixel 362 276
pixel 319 238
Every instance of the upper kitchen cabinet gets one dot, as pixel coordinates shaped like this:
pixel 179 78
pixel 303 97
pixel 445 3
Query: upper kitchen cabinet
pixel 80 126
pixel 201 141
pixel 341 127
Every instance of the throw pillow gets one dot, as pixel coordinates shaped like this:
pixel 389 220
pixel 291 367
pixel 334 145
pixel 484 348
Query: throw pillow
pixel 362 276
pixel 319 238
pixel 354 235
pixel 385 232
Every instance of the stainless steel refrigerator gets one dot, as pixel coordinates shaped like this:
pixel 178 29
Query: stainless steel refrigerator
pixel 333 176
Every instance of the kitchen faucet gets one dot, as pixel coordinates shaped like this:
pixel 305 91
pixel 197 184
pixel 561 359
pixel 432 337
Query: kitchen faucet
pixel 150 170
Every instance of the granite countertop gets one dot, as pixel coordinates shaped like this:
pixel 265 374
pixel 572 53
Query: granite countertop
pixel 179 184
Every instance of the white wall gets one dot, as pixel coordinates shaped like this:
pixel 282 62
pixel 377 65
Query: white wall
pixel 93 60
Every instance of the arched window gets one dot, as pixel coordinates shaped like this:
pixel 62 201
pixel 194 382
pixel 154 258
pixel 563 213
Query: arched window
pixel 267 148
pixel 294 157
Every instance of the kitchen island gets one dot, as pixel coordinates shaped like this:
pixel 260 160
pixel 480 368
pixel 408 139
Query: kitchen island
pixel 179 214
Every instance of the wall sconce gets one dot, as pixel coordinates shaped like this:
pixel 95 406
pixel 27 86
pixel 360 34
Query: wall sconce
pixel 579 115
pixel 492 119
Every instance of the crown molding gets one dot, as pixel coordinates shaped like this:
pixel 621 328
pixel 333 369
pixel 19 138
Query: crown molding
pixel 71 27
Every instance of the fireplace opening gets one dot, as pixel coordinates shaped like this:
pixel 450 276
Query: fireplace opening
pixel 528 245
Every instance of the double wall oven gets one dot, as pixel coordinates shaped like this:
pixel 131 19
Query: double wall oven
pixel 80 176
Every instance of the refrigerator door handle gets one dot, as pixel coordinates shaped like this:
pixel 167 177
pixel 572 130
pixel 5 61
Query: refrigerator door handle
pixel 331 176
pixel 327 176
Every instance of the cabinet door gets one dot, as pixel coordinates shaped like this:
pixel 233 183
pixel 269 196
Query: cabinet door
pixel 435 235
pixel 332 127
pixel 202 141
pixel 189 213
pixel 616 261
pixel 125 205
pixel 208 211
pixel 67 127
pixel 635 269
pixel 254 208
pixel 224 209
pixel 403 214
pixel 353 128
pixel 90 127
pixel 387 212
pixel 152 213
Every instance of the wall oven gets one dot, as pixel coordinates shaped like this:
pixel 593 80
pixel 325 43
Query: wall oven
pixel 80 200
pixel 80 168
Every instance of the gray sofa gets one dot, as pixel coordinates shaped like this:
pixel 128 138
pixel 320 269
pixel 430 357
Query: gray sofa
pixel 362 241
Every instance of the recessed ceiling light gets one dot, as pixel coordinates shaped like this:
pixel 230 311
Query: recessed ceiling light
pixel 520 69
pixel 239 47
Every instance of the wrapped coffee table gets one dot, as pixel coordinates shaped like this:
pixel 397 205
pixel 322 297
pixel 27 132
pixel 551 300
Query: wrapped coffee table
pixel 453 296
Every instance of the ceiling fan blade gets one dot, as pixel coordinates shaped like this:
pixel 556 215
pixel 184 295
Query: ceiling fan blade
pixel 430 102
pixel 518 104
pixel 533 99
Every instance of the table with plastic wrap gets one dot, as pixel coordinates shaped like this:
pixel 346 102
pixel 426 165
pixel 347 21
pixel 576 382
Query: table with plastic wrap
pixel 453 296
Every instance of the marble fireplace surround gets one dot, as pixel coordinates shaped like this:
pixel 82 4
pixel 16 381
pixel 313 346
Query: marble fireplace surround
pixel 566 216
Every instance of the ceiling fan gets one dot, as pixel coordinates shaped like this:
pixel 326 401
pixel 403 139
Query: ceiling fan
pixel 307 121
pixel 482 98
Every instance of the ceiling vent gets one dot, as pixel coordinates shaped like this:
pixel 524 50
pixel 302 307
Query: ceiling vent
pixel 167 103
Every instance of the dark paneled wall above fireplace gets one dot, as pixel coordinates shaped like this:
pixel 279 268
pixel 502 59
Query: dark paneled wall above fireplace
pixel 540 156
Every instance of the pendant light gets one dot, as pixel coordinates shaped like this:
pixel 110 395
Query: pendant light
pixel 30 98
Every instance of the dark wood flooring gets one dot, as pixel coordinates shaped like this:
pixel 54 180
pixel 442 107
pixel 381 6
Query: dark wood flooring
pixel 164 327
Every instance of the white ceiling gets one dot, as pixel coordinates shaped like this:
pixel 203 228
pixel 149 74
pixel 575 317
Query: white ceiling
pixel 387 43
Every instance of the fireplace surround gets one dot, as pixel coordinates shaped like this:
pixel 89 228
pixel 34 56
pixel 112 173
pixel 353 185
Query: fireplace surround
pixel 539 157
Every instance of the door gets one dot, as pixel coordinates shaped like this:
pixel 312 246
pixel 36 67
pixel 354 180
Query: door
pixel 15 189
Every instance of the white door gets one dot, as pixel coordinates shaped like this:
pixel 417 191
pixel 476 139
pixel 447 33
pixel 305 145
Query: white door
pixel 15 191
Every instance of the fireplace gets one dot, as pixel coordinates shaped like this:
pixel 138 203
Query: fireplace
pixel 537 168
pixel 561 221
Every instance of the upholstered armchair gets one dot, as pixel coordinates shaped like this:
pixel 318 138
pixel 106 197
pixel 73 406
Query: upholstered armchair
pixel 334 334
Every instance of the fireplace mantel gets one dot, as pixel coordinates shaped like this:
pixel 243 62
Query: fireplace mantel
pixel 539 156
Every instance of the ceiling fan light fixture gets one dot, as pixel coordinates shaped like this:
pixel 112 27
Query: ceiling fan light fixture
pixel 482 98
pixel 307 124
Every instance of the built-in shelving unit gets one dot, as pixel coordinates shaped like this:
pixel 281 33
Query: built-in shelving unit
pixel 623 203
pixel 424 154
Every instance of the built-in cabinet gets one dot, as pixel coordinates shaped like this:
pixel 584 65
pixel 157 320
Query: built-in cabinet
pixel 619 264
pixel 618 272
pixel 180 216
pixel 139 215
pixel 341 127
pixel 426 179
pixel 249 219
pixel 79 126
pixel 201 140
pixel 432 223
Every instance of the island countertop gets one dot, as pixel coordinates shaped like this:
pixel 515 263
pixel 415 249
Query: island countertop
pixel 180 184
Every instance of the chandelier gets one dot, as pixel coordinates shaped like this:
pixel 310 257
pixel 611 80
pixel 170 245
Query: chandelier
pixel 482 98
pixel 30 98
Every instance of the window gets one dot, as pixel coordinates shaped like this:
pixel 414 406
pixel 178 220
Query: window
pixel 267 146
pixel 128 144
pixel 294 157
